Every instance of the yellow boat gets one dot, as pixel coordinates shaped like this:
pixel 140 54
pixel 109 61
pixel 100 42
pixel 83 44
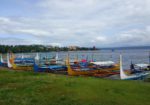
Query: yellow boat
pixel 90 72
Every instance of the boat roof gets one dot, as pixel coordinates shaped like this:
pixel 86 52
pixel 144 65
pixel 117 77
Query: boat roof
pixel 104 63
pixel 143 65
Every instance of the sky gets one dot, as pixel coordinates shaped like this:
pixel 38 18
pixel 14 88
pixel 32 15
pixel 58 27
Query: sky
pixel 100 23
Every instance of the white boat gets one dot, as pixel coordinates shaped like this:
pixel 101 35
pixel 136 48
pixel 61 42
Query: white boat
pixel 135 76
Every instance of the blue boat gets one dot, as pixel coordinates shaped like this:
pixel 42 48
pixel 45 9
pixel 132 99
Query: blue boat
pixel 49 68
pixel 49 65
pixel 134 76
pixel 24 61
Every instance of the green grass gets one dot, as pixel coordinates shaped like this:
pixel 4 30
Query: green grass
pixel 29 88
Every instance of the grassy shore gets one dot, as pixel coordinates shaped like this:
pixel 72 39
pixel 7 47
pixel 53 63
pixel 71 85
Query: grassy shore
pixel 29 88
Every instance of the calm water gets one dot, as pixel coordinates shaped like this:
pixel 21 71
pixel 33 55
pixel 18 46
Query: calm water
pixel 136 55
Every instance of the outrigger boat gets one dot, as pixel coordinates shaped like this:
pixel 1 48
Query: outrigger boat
pixel 78 69
pixel 140 67
pixel 51 65
pixel 134 76
pixel 20 63
pixel 100 65
pixel 137 68
pixel 50 68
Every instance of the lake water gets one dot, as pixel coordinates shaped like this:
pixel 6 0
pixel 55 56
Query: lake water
pixel 136 55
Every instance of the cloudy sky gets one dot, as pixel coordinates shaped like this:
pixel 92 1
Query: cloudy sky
pixel 103 23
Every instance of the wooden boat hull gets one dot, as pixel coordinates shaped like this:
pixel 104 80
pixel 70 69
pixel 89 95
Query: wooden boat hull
pixel 115 68
pixel 27 68
pixel 107 71
pixel 92 71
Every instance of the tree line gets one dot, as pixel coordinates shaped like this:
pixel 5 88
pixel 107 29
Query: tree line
pixel 38 48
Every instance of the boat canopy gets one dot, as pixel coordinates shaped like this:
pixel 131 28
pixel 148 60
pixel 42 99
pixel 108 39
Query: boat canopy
pixel 104 63
pixel 144 65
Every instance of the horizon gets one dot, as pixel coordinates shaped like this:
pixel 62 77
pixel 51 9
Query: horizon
pixel 120 47
pixel 85 23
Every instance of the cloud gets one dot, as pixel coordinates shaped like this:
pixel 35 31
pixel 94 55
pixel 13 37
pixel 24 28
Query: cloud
pixel 32 32
pixel 101 23
pixel 15 41
pixel 135 37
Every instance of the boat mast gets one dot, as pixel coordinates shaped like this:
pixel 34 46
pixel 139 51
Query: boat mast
pixel 149 61
pixel 92 57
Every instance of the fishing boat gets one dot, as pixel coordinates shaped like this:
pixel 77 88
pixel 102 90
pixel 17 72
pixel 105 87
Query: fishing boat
pixel 134 69
pixel 134 76
pixel 137 68
pixel 77 69
pixel 100 65
pixel 50 65
pixel 50 68
pixel 23 64
pixel 140 67
pixel 20 63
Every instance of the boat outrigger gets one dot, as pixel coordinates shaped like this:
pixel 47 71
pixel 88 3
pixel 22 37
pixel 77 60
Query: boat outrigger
pixel 135 76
